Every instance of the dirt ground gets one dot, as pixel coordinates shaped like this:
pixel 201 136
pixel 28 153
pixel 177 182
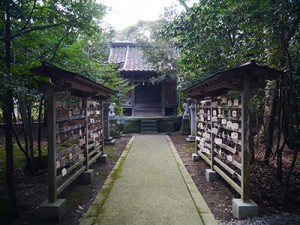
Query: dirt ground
pixel 32 191
pixel 265 188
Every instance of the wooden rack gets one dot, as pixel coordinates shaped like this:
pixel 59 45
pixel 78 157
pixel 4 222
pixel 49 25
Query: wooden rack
pixel 218 139
pixel 79 137
pixel 74 125
pixel 223 121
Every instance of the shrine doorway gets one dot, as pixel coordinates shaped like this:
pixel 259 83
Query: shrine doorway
pixel 148 100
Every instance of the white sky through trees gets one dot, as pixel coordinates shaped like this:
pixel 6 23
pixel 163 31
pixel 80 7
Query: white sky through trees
pixel 125 13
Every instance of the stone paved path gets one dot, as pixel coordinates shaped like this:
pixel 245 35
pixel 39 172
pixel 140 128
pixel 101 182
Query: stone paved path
pixel 149 185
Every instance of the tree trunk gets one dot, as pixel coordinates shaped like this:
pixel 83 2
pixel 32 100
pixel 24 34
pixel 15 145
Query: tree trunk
pixel 30 125
pixel 8 118
pixel 288 176
pixel 40 128
pixel 22 149
pixel 26 130
pixel 270 129
pixel 293 121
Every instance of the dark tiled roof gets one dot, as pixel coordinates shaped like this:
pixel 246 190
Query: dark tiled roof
pixel 129 57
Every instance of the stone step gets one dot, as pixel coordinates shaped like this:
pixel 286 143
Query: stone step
pixel 148 121
pixel 148 125
pixel 147 113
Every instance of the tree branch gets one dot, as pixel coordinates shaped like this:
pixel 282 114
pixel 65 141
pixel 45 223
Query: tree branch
pixel 182 2
pixel 29 17
pixel 57 46
pixel 36 28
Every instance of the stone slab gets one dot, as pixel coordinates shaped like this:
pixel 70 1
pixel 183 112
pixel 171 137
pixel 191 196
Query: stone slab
pixel 242 210
pixel 102 158
pixel 191 138
pixel 195 157
pixel 211 175
pixel 86 177
pixel 109 141
pixel 53 210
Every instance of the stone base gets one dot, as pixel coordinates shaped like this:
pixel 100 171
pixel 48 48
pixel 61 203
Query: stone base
pixel 191 138
pixel 54 210
pixel 185 127
pixel 109 141
pixel 102 158
pixel 211 175
pixel 195 157
pixel 242 210
pixel 86 177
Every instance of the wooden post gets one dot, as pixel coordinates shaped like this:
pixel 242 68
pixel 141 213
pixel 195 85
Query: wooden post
pixel 245 184
pixel 102 125
pixel 212 137
pixel 51 114
pixel 86 121
pixel 133 102
pixel 196 121
pixel 163 97
pixel 212 151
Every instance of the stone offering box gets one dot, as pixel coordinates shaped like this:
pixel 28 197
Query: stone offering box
pixel 223 127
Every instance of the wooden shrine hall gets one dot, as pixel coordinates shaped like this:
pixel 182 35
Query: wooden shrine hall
pixel 146 99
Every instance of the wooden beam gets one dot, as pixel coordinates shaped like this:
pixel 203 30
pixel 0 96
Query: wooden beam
pixel 51 129
pixel 227 168
pixel 133 102
pixel 70 169
pixel 86 146
pixel 206 159
pixel 219 85
pixel 163 98
pixel 92 160
pixel 102 125
pixel 245 172
pixel 212 139
pixel 228 180
pixel 64 185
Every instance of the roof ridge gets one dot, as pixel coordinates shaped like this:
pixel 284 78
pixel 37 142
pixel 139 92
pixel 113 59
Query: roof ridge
pixel 122 44
pixel 126 58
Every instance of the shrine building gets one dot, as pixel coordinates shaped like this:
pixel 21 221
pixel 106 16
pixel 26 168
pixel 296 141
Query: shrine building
pixel 146 99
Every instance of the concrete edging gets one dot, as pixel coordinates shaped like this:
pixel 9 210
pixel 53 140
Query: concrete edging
pixel 202 208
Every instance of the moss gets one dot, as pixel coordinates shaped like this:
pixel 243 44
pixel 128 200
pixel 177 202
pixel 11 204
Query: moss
pixel 19 159
pixel 185 127
pixel 112 157
pixel 98 208
pixel 166 126
pixel 132 126
pixel 108 148
pixel 189 147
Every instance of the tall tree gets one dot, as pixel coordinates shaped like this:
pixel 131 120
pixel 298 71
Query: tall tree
pixel 215 35
pixel 19 19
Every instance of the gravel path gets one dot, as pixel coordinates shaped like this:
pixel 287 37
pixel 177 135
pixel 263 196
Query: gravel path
pixel 280 219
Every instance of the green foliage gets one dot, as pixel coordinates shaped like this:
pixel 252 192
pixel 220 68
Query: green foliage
pixel 38 29
pixel 19 159
pixel 214 35
pixel 66 33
